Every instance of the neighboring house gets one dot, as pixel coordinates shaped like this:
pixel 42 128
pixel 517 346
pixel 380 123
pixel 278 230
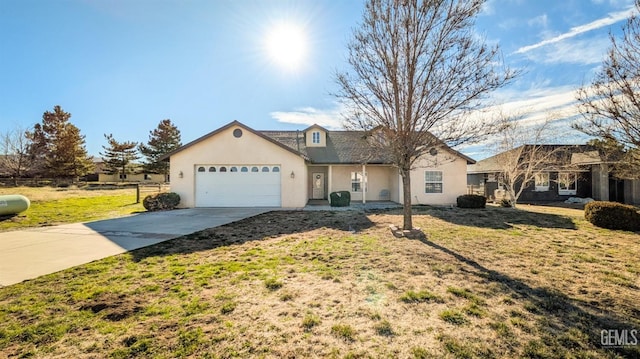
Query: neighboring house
pixel 576 171
pixel 236 166
pixel 136 176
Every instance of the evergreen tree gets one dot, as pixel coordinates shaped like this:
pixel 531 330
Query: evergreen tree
pixel 162 140
pixel 119 156
pixel 58 149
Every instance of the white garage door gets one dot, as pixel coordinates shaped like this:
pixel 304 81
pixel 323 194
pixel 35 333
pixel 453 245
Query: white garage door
pixel 238 186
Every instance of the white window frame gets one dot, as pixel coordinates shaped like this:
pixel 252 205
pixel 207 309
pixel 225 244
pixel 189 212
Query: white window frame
pixel 357 178
pixel 541 181
pixel 572 179
pixel 315 137
pixel 433 178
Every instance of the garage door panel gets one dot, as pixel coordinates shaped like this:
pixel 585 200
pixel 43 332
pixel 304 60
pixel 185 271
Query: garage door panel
pixel 238 189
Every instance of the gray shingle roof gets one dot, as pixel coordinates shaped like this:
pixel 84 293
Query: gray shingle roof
pixel 342 147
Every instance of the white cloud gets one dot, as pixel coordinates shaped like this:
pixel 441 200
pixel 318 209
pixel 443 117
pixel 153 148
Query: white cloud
pixel 541 21
pixel 612 18
pixel 330 119
pixel 585 52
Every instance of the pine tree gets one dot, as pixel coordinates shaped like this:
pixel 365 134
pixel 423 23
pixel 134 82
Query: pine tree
pixel 162 140
pixel 58 148
pixel 119 156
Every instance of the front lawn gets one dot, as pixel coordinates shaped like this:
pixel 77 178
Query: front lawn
pixel 495 283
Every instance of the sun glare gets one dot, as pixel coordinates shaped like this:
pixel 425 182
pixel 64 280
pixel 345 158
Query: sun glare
pixel 286 46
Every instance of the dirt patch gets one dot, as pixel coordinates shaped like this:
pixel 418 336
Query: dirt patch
pixel 113 308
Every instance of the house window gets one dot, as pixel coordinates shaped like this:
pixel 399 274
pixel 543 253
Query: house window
pixel 200 169
pixel 254 169
pixel 567 183
pixel 147 176
pixel 432 181
pixel 233 169
pixel 315 137
pixel 212 169
pixel 357 181
pixel 542 181
pixel 276 169
pixel 244 169
pixel 123 176
pixel 223 169
pixel 265 169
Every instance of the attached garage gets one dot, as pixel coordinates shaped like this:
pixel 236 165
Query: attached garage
pixel 236 166
pixel 257 185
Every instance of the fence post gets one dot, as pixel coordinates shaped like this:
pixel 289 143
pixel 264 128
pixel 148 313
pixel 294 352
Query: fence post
pixel 138 193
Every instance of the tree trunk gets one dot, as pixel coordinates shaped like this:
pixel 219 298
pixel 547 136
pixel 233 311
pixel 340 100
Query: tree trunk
pixel 406 191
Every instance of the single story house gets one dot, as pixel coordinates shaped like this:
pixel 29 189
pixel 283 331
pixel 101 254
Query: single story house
pixel 135 174
pixel 573 171
pixel 237 166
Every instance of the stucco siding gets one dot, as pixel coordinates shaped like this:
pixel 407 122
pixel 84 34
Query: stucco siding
pixel 225 149
pixel 379 181
pixel 454 179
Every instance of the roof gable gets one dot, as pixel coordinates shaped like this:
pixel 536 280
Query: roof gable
pixel 225 127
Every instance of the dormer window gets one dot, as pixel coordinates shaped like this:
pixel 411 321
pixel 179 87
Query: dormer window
pixel 315 137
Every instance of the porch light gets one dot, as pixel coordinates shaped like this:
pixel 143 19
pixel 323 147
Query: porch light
pixel 293 175
pixel 180 174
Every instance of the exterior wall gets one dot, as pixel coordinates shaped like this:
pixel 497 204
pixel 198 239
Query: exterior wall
pixel 223 148
pixel 131 177
pixel 600 182
pixel 632 191
pixel 395 184
pixel 583 189
pixel 378 186
pixel 454 179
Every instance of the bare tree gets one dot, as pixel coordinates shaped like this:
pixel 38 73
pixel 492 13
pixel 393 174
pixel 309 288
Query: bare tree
pixel 14 159
pixel 610 105
pixel 417 69
pixel 522 154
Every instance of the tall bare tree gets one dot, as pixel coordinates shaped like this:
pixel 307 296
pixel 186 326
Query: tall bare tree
pixel 417 69
pixel 522 154
pixel 14 156
pixel 610 105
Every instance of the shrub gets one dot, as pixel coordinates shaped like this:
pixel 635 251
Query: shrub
pixel 612 215
pixel 340 199
pixel 471 201
pixel 345 332
pixel 161 201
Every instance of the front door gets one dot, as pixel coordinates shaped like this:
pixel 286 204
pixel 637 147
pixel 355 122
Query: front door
pixel 318 185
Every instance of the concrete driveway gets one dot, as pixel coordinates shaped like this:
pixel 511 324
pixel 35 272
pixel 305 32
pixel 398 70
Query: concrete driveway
pixel 30 253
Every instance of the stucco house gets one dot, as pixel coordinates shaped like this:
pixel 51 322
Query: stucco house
pixel 237 166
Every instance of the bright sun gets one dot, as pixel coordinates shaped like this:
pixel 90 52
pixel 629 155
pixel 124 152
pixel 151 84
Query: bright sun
pixel 286 46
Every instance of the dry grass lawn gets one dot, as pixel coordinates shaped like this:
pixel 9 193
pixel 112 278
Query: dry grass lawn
pixel 495 283
pixel 51 206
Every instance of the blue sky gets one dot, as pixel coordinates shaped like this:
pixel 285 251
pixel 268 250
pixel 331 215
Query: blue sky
pixel 121 66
